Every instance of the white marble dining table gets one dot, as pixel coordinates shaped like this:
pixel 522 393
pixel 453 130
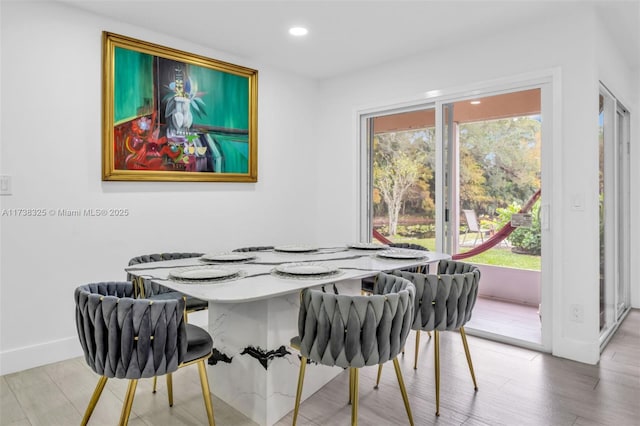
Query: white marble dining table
pixel 253 312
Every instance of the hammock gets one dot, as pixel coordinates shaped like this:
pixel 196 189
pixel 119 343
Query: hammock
pixel 495 239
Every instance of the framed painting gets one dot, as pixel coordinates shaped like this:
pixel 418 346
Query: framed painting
pixel 169 115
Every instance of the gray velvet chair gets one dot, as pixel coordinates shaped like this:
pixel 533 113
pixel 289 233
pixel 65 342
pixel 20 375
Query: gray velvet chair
pixel 355 331
pixel 367 283
pixel 444 302
pixel 127 338
pixel 145 288
pixel 153 291
pixel 254 248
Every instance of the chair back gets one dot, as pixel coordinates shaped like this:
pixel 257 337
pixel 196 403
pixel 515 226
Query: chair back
pixel 411 246
pixel 454 267
pixel 254 248
pixel 129 338
pixel 444 301
pixel 472 220
pixel 151 288
pixel 356 331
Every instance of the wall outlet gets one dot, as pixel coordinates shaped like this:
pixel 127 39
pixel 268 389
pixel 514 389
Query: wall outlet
pixel 577 313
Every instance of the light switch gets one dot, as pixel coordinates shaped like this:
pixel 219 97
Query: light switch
pixel 5 185
pixel 577 202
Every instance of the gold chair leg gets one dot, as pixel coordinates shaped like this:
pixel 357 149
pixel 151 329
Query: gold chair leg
pixel 206 392
pixel 468 354
pixel 354 403
pixel 436 348
pixel 415 361
pixel 155 383
pixel 170 388
pixel 403 390
pixel 350 386
pixel 303 366
pixel 378 378
pixel 128 402
pixel 94 399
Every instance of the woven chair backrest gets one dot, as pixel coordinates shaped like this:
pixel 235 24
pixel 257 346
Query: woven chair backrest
pixel 129 338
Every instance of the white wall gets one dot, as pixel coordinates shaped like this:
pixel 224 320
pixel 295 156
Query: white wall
pixel 51 147
pixel 624 84
pixel 50 136
pixel 563 44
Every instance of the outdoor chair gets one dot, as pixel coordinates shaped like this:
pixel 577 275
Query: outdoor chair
pixel 473 226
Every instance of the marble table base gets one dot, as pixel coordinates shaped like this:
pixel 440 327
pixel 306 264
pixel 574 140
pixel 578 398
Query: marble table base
pixel 254 369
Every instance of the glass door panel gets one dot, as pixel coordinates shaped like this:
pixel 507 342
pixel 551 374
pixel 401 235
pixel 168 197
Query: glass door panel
pixel 607 196
pixel 493 160
pixel 623 145
pixel 613 126
pixel 404 176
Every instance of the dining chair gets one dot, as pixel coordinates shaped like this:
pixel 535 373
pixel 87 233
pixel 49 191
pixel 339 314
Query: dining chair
pixel 443 302
pixel 355 331
pixel 147 289
pixel 367 283
pixel 254 248
pixel 127 338
pixel 412 246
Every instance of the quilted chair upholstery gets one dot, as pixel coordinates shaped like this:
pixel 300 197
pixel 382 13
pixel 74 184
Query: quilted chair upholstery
pixel 127 338
pixel 444 302
pixel 456 267
pixel 151 290
pixel 355 331
pixel 411 246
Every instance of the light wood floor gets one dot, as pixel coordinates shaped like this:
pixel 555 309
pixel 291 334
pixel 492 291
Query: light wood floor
pixel 514 320
pixel 516 387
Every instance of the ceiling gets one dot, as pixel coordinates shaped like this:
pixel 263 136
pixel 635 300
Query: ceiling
pixel 513 104
pixel 345 36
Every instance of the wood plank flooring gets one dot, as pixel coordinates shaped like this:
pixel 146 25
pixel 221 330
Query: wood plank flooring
pixel 516 387
pixel 514 320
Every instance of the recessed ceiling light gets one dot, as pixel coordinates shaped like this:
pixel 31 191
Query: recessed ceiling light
pixel 475 102
pixel 432 93
pixel 298 31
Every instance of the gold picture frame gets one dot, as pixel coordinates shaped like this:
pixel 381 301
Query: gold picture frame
pixel 170 115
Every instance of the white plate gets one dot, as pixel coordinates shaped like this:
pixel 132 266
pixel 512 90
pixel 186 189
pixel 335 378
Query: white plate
pixel 368 246
pixel 200 273
pixel 402 254
pixel 229 257
pixel 295 249
pixel 305 269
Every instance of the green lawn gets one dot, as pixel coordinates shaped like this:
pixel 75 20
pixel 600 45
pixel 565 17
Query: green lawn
pixel 501 256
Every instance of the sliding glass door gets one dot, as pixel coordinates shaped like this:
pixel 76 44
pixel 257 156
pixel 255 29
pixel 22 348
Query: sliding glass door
pixel 448 176
pixel 613 123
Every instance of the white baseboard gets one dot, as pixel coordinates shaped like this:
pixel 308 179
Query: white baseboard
pixel 28 357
